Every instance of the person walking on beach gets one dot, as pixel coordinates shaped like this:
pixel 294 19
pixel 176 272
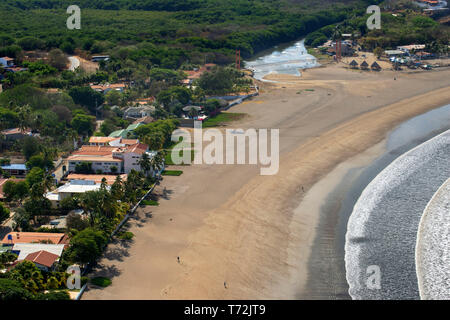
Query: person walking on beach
pixel 225 285
pixel 178 259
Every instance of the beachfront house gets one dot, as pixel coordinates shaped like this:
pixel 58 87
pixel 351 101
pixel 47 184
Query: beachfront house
pixel 98 159
pixel 109 159
pixel 43 260
pixel 24 249
pixel 70 189
pixel 104 141
pixel 14 237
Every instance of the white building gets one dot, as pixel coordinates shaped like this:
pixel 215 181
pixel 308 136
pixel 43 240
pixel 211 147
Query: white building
pixel 24 249
pixel 138 112
pixel 70 189
pixel 7 62
pixel 102 158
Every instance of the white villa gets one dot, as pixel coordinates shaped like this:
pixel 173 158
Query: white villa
pixel 104 158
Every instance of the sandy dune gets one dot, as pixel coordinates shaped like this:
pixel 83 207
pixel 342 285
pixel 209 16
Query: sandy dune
pixel 229 224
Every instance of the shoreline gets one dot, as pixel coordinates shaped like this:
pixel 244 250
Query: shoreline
pixel 341 189
pixel 230 224
pixel 383 225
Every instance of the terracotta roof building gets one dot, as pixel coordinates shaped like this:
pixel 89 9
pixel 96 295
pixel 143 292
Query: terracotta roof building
pixel 97 178
pixel 43 259
pixel 35 237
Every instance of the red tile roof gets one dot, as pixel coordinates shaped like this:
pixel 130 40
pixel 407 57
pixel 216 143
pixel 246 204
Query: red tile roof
pixel 110 179
pixel 101 139
pixel 42 257
pixel 145 120
pixel 129 142
pixel 35 237
pixel 16 131
pixel 139 148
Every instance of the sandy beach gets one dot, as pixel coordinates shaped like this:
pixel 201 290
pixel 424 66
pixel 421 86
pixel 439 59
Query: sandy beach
pixel 255 233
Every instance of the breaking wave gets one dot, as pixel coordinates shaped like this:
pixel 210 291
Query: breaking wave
pixel 382 229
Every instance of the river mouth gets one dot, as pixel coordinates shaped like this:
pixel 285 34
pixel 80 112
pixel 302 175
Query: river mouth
pixel 286 59
pixel 326 267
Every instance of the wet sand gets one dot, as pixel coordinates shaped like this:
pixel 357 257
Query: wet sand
pixel 229 224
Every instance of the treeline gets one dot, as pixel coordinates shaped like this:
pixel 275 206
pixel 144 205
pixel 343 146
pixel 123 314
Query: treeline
pixel 148 5
pixel 208 29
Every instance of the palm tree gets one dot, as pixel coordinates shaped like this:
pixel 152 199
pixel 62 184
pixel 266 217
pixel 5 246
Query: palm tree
pixel 157 162
pixel 145 163
pixel 48 182
pixel 23 114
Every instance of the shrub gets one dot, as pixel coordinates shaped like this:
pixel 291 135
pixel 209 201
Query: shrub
pixel 150 203
pixel 126 235
pixel 101 281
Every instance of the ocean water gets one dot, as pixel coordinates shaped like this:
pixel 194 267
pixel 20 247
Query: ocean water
pixel 433 247
pixel 381 233
pixel 286 61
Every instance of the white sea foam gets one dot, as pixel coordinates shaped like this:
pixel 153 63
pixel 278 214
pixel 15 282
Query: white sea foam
pixel 433 247
pixel 383 226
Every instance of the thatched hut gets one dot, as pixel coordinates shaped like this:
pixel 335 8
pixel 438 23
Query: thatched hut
pixel 375 66
pixel 364 65
pixel 353 64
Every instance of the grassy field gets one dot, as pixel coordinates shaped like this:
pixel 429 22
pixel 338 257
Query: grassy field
pixel 322 58
pixel 175 173
pixel 222 119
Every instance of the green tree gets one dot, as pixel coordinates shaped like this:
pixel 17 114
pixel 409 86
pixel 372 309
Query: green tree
pixel 52 283
pixel 53 295
pixel 86 246
pixel 22 220
pixel 113 97
pixel 30 147
pixel 39 161
pixel 76 221
pixel 145 163
pixel 4 213
pixel 57 59
pixel 35 176
pixel 83 124
pixel 11 290
pixel 87 97
pixel 378 52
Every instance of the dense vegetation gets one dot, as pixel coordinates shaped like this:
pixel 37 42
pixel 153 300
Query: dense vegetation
pixel 407 26
pixel 178 29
